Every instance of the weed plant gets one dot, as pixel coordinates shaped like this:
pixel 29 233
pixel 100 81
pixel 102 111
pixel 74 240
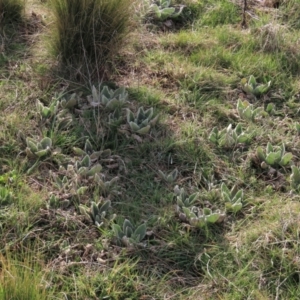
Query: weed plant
pixel 88 34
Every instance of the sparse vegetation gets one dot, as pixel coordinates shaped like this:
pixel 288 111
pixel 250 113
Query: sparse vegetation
pixel 177 179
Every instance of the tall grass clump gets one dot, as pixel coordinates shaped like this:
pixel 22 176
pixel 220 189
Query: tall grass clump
pixel 87 34
pixel 20 279
pixel 11 11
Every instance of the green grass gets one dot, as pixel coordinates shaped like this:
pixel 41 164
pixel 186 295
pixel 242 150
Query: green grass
pixel 86 35
pixel 192 78
pixel 22 278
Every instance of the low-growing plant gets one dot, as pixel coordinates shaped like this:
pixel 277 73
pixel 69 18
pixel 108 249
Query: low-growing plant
pixel 270 109
pixel 69 101
pixel 183 199
pixel 229 137
pixel 274 156
pixel 89 150
pixel 233 198
pixel 85 167
pixel 171 177
pixel 129 235
pixel 162 10
pixel 201 217
pixel 107 98
pixel 68 184
pixel 295 178
pixel 5 196
pixel 99 213
pixel 55 114
pixel 106 188
pixel 46 112
pixel 246 110
pixel 251 87
pixel 115 119
pixel 38 149
pixel 142 121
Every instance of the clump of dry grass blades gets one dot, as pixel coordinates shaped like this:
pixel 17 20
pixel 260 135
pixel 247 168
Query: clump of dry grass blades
pixel 87 34
pixel 11 10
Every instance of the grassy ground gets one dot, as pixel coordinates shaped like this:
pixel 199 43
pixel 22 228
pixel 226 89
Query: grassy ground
pixel 190 72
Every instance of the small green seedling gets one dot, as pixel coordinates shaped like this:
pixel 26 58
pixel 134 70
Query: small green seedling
pixel 129 235
pixel 251 87
pixel 229 137
pixel 201 217
pixel 115 118
pixel 85 168
pixel 162 10
pixel 295 179
pixel 274 156
pixel 69 183
pixel 233 198
pixel 183 200
pixel 88 150
pixel 38 149
pixel 5 196
pixel 142 121
pixel 106 187
pixel 46 112
pixel 108 98
pixel 99 213
pixel 69 101
pixel 246 110
pixel 169 178
pixel 270 109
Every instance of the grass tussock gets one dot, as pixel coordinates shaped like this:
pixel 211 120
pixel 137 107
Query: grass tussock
pixel 88 34
pixel 11 10
pixel 21 279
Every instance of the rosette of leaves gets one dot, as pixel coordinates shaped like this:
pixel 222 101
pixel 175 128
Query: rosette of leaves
pixel 46 112
pixel 69 101
pixel 85 168
pixel 233 198
pixel 69 183
pixel 142 121
pixel 162 10
pixel 128 235
pixel 88 150
pixel 5 196
pixel 38 149
pixel 246 110
pixel 108 98
pixel 270 109
pixel 183 199
pixel 99 213
pixel 115 118
pixel 229 137
pixel 274 156
pixel 251 87
pixel 201 217
pixel 106 187
pixel 295 178
pixel 170 177
pixel 63 119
